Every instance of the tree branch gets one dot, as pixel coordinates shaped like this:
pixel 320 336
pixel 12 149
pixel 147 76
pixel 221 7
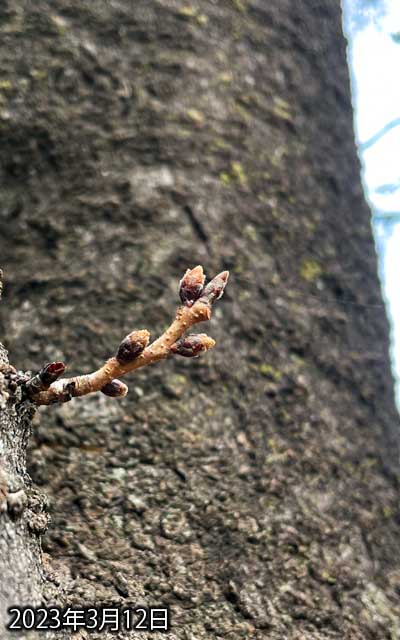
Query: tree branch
pixel 134 352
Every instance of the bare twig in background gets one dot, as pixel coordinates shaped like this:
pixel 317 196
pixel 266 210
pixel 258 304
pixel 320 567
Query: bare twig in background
pixel 47 387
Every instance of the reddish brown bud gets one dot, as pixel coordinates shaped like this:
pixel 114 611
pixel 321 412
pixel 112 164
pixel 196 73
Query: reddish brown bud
pixel 191 285
pixel 215 288
pixel 46 376
pixel 51 372
pixel 192 345
pixel 132 345
pixel 115 389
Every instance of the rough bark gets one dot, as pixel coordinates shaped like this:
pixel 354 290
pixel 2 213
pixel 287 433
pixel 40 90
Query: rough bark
pixel 22 517
pixel 254 490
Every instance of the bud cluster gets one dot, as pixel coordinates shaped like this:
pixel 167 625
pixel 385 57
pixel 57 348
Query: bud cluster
pixel 132 345
pixel 192 345
pixel 191 287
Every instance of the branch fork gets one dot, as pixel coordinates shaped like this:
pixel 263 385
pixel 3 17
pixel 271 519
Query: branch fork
pixel 47 387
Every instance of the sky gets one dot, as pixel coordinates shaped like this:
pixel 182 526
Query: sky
pixel 373 31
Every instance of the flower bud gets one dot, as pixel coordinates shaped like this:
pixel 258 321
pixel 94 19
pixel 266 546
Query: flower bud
pixel 215 288
pixel 51 372
pixel 115 389
pixel 192 345
pixel 46 376
pixel 191 285
pixel 132 345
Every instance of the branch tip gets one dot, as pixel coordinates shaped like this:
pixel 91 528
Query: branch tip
pixel 214 290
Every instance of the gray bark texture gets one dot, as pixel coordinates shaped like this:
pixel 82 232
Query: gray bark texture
pixel 254 490
pixel 22 516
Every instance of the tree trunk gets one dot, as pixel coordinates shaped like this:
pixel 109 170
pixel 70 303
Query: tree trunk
pixel 253 490
pixel 21 507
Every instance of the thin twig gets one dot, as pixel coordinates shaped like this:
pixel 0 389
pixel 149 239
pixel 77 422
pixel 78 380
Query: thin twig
pixel 134 351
